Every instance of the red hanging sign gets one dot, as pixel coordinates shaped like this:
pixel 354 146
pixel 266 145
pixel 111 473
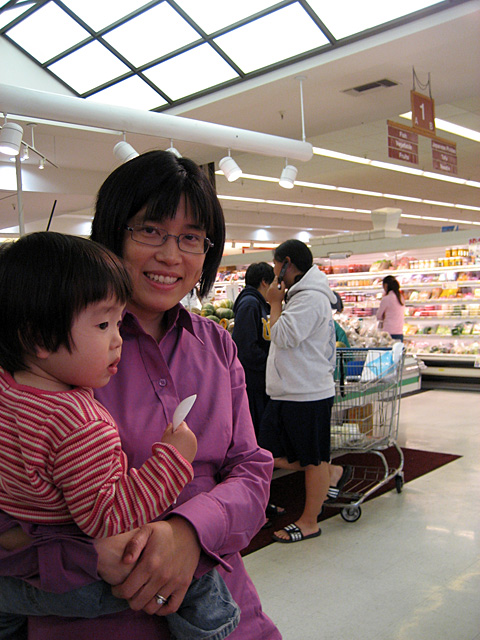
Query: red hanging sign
pixel 423 112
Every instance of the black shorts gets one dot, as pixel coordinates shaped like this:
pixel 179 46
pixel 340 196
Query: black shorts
pixel 298 431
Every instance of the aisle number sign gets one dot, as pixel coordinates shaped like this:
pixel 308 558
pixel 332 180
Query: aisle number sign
pixel 423 113
pixel 403 140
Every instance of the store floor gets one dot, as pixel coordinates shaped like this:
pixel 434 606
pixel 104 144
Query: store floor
pixel 409 568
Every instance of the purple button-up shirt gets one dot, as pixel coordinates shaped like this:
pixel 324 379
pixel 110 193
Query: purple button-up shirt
pixel 226 500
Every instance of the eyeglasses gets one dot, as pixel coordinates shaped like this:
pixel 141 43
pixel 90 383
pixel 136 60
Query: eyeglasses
pixel 187 242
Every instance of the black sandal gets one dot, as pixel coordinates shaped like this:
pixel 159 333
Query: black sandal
pixel 272 510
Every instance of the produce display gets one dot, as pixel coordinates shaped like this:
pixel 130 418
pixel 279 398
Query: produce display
pixel 219 311
pixel 363 333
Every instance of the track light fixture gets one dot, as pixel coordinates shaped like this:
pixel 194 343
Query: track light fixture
pixel 172 149
pixel 41 164
pixel 11 139
pixel 230 168
pixel 124 151
pixel 287 179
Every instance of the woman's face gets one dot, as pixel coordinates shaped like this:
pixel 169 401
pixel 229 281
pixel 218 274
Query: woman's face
pixel 161 276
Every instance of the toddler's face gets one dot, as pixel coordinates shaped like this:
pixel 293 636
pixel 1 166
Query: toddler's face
pixel 96 347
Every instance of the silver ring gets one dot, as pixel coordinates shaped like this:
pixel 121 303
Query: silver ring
pixel 160 599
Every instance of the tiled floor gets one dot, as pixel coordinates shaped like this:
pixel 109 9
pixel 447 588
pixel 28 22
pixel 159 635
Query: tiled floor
pixel 409 568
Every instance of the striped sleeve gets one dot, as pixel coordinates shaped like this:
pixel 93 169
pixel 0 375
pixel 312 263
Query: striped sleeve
pixel 104 498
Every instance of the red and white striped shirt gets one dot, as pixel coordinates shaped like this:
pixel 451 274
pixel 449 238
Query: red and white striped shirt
pixel 61 460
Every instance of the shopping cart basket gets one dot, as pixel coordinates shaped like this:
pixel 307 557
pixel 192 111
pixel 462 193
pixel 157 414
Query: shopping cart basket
pixel 365 418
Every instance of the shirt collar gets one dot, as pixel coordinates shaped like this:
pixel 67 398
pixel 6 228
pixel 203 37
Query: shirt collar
pixel 176 316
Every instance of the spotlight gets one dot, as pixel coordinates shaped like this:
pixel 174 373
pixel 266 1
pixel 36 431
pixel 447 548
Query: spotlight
pixel 25 153
pixel 230 168
pixel 41 164
pixel 172 149
pixel 11 138
pixel 124 151
pixel 287 179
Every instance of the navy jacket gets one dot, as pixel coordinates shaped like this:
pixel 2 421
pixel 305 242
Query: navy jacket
pixel 251 333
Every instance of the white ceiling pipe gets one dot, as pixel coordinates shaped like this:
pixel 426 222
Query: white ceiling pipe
pixel 52 106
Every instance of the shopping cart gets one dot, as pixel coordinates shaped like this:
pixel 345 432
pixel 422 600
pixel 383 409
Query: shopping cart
pixel 365 418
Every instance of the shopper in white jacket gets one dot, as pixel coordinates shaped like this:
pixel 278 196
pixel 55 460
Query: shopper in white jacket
pixel 300 381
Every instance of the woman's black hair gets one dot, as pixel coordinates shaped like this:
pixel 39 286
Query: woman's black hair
pixel 46 279
pixel 298 252
pixel 393 285
pixel 258 272
pixel 155 181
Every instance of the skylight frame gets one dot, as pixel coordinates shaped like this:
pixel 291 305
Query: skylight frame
pixel 238 75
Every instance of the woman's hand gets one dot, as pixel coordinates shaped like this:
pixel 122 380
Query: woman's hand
pixel 112 565
pixel 14 538
pixel 169 556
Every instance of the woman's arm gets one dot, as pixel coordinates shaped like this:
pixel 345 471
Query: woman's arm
pixel 381 309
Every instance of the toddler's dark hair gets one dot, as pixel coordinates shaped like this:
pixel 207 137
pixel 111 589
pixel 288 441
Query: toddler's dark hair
pixel 46 279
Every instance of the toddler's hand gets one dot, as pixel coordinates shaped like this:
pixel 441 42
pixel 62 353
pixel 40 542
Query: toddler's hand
pixel 182 439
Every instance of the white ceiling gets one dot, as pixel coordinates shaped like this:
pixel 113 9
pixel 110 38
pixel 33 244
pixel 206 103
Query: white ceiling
pixel 445 45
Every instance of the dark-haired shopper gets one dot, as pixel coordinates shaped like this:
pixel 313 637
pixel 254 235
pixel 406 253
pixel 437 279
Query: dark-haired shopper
pixel 391 312
pixel 251 333
pixel 151 212
pixel 300 382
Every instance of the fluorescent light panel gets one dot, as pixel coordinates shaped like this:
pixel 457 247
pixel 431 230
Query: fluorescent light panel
pixel 450 127
pixel 394 167
pixel 377 194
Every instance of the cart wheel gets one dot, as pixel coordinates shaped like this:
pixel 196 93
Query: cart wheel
pixel 399 483
pixel 351 514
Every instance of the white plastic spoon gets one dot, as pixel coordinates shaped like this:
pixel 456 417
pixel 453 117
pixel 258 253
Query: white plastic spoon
pixel 182 411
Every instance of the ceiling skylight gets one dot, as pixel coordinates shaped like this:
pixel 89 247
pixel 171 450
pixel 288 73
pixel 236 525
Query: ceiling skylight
pixel 47 32
pixel 281 35
pixel 100 14
pixel 346 17
pixel 185 47
pixel 132 92
pixel 213 15
pixel 11 13
pixel 89 67
pixel 191 72
pixel 140 40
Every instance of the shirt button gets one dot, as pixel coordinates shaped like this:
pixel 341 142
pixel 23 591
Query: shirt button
pixel 162 382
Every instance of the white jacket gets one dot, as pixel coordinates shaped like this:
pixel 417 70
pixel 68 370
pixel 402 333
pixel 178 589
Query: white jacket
pixel 301 361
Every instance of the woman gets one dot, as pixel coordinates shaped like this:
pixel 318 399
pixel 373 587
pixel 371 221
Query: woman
pixel 391 312
pixel 161 215
pixel 300 367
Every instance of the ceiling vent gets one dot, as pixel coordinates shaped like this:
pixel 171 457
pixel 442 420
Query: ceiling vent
pixel 385 83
